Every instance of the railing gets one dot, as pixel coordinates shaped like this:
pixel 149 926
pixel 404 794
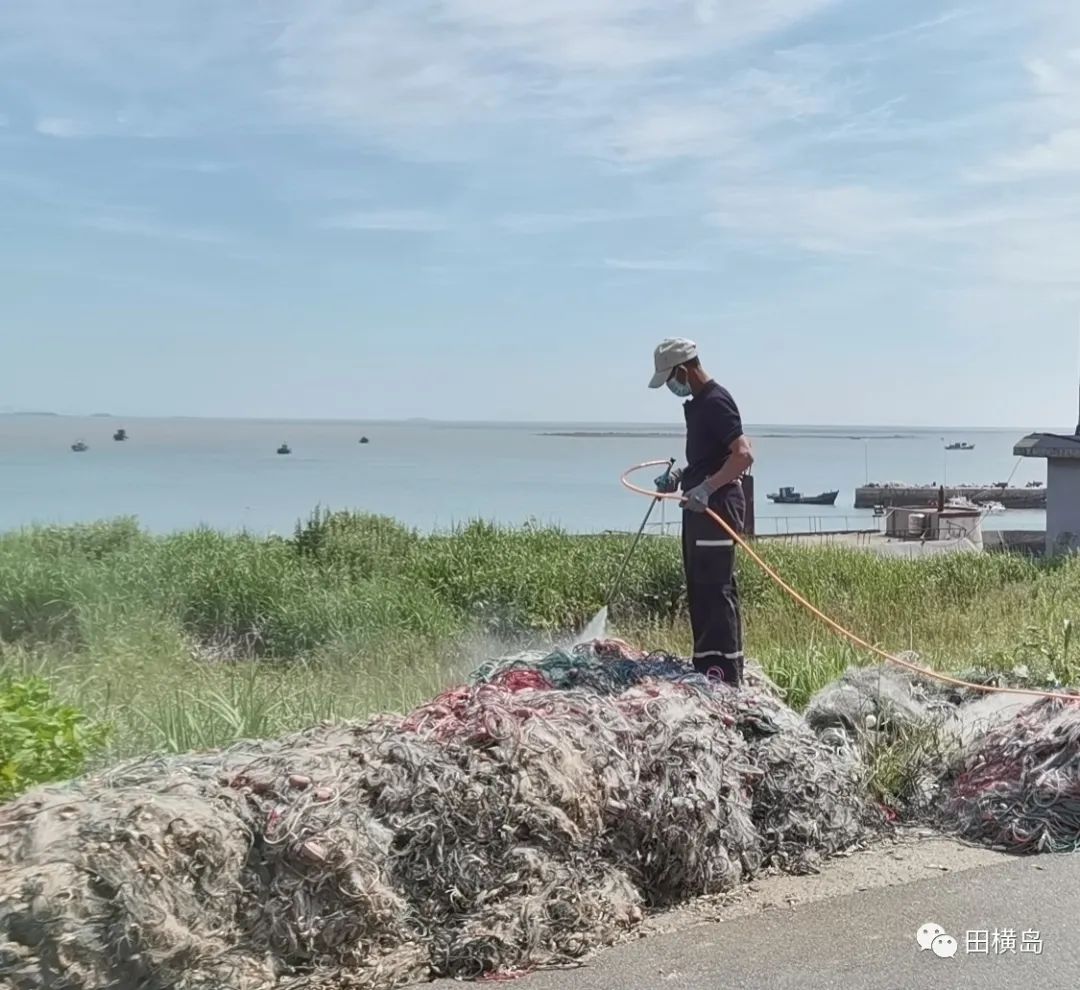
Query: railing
pixel 813 525
pixel 849 538
pixel 858 529
pixel 793 525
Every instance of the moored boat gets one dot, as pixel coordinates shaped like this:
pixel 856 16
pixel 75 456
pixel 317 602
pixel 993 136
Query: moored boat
pixel 788 496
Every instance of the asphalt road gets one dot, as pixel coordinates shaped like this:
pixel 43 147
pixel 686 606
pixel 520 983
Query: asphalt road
pixel 866 940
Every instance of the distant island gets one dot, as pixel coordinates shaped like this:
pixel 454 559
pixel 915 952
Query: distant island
pixel 45 412
pixel 609 435
pixel 838 436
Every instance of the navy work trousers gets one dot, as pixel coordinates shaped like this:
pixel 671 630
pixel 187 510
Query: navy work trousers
pixel 713 593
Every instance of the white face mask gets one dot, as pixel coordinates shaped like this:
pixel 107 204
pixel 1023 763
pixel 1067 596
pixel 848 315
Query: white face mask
pixel 681 389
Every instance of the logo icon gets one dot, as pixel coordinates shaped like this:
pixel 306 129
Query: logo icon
pixel 944 947
pixel 925 936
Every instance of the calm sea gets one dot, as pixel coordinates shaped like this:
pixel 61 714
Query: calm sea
pixel 178 473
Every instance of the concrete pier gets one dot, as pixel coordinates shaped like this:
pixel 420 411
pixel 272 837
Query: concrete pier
pixel 868 496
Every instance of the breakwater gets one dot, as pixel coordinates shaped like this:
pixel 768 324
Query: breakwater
pixel 868 496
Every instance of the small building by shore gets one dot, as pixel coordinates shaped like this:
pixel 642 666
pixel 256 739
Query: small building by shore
pixel 1062 455
pixel 933 523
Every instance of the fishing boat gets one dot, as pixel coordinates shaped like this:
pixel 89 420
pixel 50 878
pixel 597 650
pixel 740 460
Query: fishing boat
pixel 364 440
pixel 284 449
pixel 788 496
pixel 960 445
pixel 987 507
pixel 79 446
pixel 120 436
pixel 962 502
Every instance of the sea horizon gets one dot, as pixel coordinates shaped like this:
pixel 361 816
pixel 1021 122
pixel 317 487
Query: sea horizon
pixel 182 472
pixel 495 424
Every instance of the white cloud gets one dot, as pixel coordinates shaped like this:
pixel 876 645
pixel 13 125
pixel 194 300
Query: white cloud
pixel 861 219
pixel 668 132
pixel 411 75
pixel 725 122
pixel 143 226
pixel 384 73
pixel 1043 127
pixel 61 127
pixel 572 34
pixel 655 265
pixel 1060 152
pixel 796 88
pixel 128 125
pixel 1049 79
pixel 827 219
pixel 199 167
pixel 856 147
pixel 419 76
pixel 617 35
pixel 1043 253
pixel 544 223
pixel 401 221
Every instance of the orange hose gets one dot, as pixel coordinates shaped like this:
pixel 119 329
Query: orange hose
pixel 832 623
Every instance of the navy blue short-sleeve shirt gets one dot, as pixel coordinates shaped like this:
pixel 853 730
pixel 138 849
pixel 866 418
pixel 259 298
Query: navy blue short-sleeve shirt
pixel 713 424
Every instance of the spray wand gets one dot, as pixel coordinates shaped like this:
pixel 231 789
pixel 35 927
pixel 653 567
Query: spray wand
pixel 596 627
pixel 633 546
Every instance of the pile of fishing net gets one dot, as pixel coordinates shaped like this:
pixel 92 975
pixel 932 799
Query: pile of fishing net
pixel 1018 786
pixel 880 699
pixel 524 819
pixel 994 768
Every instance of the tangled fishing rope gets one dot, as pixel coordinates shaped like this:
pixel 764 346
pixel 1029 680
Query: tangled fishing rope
pixel 524 819
pixel 1018 787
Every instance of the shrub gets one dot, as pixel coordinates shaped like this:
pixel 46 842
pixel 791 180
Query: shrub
pixel 362 544
pixel 41 739
pixel 93 541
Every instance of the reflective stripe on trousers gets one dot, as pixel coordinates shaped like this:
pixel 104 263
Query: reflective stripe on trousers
pixel 713 596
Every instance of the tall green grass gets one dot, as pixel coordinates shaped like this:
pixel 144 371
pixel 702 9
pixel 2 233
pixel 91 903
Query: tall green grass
pixel 200 638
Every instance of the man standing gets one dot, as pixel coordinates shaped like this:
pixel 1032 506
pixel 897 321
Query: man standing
pixel 717 456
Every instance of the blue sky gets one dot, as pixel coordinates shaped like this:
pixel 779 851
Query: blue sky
pixel 864 212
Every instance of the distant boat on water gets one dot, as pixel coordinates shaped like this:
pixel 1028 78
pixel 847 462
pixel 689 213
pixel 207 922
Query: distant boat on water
pixel 284 449
pixel 960 445
pixel 788 496
pixel 364 440
pixel 963 502
pixel 120 436
pixel 79 446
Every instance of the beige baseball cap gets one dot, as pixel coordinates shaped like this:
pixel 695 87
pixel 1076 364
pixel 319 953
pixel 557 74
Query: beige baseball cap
pixel 669 354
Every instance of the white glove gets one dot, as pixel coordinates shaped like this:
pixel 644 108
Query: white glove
pixel 697 499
